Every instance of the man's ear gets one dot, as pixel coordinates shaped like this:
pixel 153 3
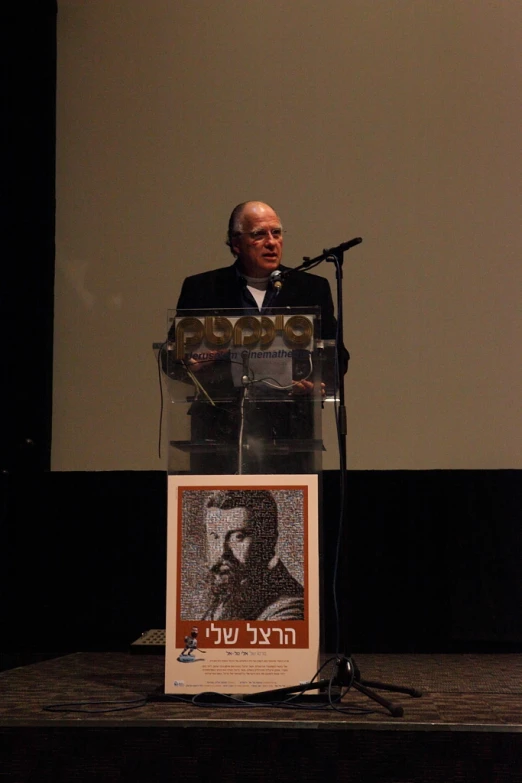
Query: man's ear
pixel 234 246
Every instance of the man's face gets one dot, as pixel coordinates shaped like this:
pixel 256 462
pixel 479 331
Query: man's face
pixel 229 544
pixel 259 252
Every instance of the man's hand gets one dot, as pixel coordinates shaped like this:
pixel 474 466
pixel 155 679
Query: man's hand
pixel 305 388
pixel 195 365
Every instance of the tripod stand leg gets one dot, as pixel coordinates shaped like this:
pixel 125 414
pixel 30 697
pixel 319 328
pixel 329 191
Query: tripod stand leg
pixel 395 688
pixel 395 710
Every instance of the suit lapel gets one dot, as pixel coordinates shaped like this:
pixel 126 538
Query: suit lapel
pixel 227 292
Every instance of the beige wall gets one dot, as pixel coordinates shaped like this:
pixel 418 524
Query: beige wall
pixel 394 120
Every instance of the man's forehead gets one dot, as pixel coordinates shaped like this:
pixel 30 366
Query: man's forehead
pixel 257 212
pixel 230 517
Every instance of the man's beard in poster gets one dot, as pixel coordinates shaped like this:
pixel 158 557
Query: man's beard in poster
pixel 226 577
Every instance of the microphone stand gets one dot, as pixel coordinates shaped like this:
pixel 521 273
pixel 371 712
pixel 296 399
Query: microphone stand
pixel 245 380
pixel 347 672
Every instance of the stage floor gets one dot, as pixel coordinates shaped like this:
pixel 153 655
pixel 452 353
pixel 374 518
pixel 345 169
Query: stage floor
pixel 481 691
pixel 468 719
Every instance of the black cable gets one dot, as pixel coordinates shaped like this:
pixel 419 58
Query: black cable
pixel 161 398
pixel 132 704
pixel 223 701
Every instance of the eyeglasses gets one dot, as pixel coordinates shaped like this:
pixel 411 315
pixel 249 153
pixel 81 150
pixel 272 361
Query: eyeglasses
pixel 262 234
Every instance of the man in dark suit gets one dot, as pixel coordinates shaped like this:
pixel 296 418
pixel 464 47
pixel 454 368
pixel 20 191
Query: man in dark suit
pixel 255 238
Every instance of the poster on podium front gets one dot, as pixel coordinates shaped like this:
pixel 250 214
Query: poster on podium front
pixel 242 583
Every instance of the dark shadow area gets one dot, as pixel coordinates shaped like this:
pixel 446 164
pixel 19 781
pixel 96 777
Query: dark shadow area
pixel 28 222
pixel 429 561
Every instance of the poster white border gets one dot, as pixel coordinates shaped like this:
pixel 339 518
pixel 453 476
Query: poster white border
pixel 243 656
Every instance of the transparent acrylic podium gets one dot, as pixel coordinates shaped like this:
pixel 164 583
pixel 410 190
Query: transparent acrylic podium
pixel 244 397
pixel 244 394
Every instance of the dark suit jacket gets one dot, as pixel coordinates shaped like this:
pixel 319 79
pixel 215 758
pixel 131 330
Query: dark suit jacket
pixel 221 288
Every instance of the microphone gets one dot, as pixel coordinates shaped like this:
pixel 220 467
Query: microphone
pixel 328 253
pixel 276 278
pixel 344 246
